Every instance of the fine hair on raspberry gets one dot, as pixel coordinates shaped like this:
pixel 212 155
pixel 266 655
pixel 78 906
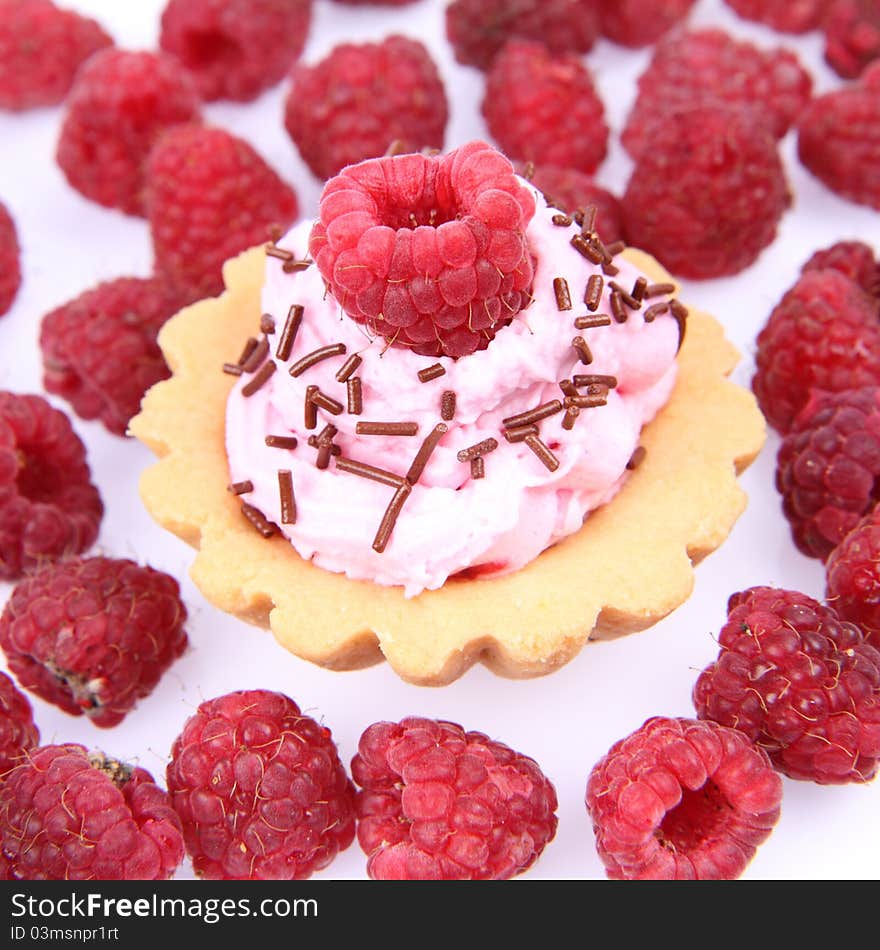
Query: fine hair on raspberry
pixel 18 731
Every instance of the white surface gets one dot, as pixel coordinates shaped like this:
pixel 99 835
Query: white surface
pixel 566 721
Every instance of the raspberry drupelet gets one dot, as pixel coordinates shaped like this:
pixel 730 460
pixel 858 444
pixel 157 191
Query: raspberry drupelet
pixel 855 259
pixel 852 35
pixel 10 263
pixel 852 575
pixel 18 731
pixel 441 803
pixel 428 252
pixel 637 23
pixel 680 799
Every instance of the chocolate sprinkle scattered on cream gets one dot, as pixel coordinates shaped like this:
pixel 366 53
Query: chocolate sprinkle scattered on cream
pixel 593 293
pixel 447 405
pixel 542 451
pixel 258 354
pixel 610 269
pixel 260 378
pixel 586 249
pixel 282 441
pixel 256 517
pixel 518 433
pixel 369 471
pixel 285 492
pixel 595 379
pixel 323 401
pixel 424 452
pixel 680 312
pixel 232 369
pixel 615 248
pixel 562 293
pixel 533 415
pixel 583 351
pixel 568 387
pixel 355 395
pixel 570 417
pixel 389 519
pixel 311 410
pixel 348 367
pixel 316 356
pixel 249 347
pixel 655 310
pixel 591 322
pixel 474 451
pixel 561 220
pixel 267 323
pixel 618 310
pixel 639 288
pixel 240 488
pixel 659 290
pixel 279 253
pixel 637 457
pixel 478 467
pixel 289 331
pixel 387 428
pixel 290 266
pixel 431 372
pixel 625 295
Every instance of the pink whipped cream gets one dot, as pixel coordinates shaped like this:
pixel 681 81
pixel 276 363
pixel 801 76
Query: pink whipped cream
pixel 451 522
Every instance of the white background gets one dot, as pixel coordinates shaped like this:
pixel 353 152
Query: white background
pixel 566 721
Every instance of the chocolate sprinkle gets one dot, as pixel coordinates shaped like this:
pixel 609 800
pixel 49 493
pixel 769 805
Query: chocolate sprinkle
pixel 561 220
pixel 282 441
pixel 311 410
pixel 279 253
pixel 593 293
pixel 586 249
pixel 431 372
pixel 289 331
pixel 232 369
pixel 590 401
pixel 240 488
pixel 267 323
pixel 639 288
pixel 518 433
pixel 610 269
pixel 617 307
pixel 568 387
pixel 588 220
pixel 584 354
pixel 570 417
pixel 348 367
pixel 615 248
pixel 625 295
pixel 290 266
pixel 680 312
pixel 249 347
pixel 389 519
pixel 595 379
pixel 285 492
pixel 315 444
pixel 533 415
pixel 323 401
pixel 637 458
pixel 259 379
pixel 258 354
pixel 562 293
pixel 591 322
pixel 387 428
pixel 478 467
pixel 424 452
pixel 355 395
pixel 447 405
pixel 655 310
pixel 256 517
pixel 529 171
pixel 542 451
pixel 316 356
pixel 474 451
pixel 369 471
pixel 659 290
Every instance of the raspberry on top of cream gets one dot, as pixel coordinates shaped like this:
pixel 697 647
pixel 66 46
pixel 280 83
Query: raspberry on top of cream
pixel 408 469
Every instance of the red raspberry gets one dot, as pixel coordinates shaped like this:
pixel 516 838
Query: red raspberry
pixel 235 48
pixel 118 107
pixel 100 350
pixel 68 814
pixel 853 577
pixel 441 803
pixel 10 266
pixel 544 108
pixel 477 29
pixel 568 190
pixel 41 48
pixel 786 16
pixel 680 799
pixel 260 789
pixel 720 208
pixel 429 252
pixel 362 97
pixel 376 3
pixel 210 196
pixel 641 22
pixel 48 506
pixel 18 731
pixel 823 334
pixel 839 139
pixel 800 683
pixel 828 467
pixel 703 67
pixel 93 635
pixel 852 35
pixel 853 258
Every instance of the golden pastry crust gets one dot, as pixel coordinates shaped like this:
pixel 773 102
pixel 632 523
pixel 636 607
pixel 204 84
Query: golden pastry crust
pixel 628 567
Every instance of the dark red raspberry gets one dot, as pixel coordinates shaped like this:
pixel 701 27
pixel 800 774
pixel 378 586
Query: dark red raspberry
pixel 786 16
pixel 839 139
pixel 568 190
pixel 852 575
pixel 828 467
pixel 361 98
pixel 10 264
pixel 41 48
pixel 544 108
pixel 93 635
pixel 48 506
pixel 18 731
pixel 702 67
pixel 441 803
pixel 100 351
pixel 210 196
pixel 235 48
pixel 823 334
pixel 800 683
pixel 852 35
pixel 641 22
pixel 376 3
pixel 680 799
pixel 68 814
pixel 429 252
pixel 118 107
pixel 719 209
pixel 477 29
pixel 260 789
pixel 853 258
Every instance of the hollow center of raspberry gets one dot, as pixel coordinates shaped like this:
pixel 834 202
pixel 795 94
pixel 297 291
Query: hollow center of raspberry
pixel 700 816
pixel 118 772
pixel 427 212
pixel 38 479
pixel 204 48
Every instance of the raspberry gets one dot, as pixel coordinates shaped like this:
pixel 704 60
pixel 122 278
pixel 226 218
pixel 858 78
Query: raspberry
pixel 839 139
pixel 93 635
pixel 680 799
pixel 100 351
pixel 641 22
pixel 235 49
pixel 828 466
pixel 18 731
pixel 260 789
pixel 375 3
pixel 853 258
pixel 544 108
pixel 441 803
pixel 800 683
pixel 10 266
pixel 852 575
pixel 362 97
pixel 48 506
pixel 569 190
pixel 823 334
pixel 719 209
pixel 119 105
pixel 428 251
pixel 210 196
pixel 41 48
pixel 786 16
pixel 69 814
pixel 702 67
pixel 477 29
pixel 852 35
